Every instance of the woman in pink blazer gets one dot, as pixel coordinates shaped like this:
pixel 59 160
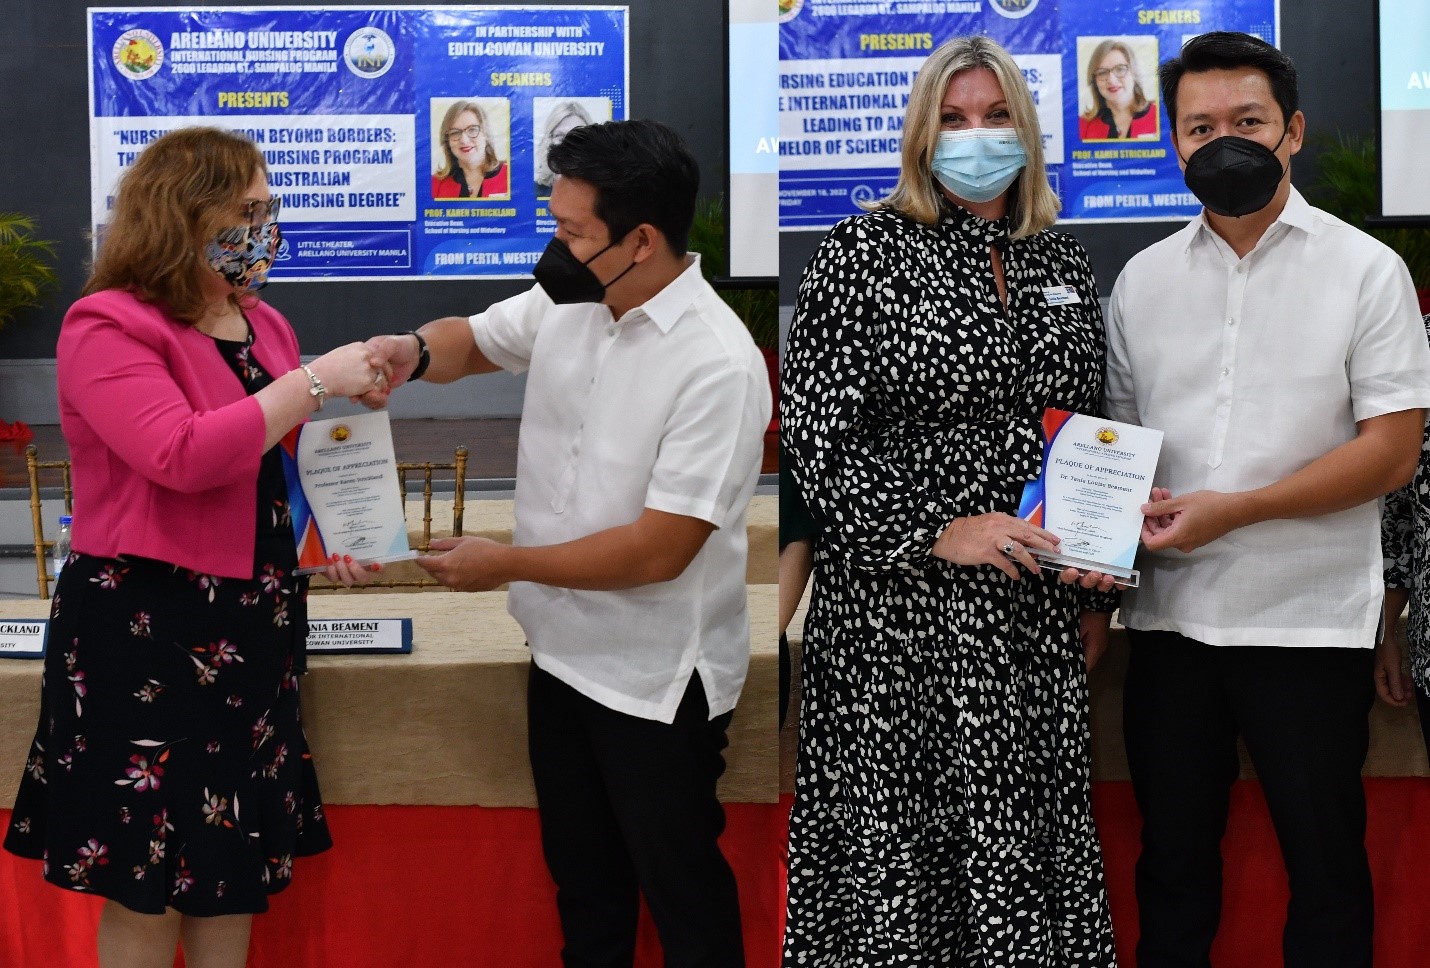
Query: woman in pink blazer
pixel 169 772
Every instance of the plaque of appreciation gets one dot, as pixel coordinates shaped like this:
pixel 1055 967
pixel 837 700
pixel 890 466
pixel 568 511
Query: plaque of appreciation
pixel 343 493
pixel 1096 476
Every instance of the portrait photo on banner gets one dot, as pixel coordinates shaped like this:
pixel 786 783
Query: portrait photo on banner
pixel 1117 97
pixel 552 119
pixel 471 147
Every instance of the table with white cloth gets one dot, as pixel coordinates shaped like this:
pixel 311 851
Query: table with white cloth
pixel 423 767
pixel 445 724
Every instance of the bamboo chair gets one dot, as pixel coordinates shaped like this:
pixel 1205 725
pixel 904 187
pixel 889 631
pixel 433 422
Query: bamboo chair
pixel 408 474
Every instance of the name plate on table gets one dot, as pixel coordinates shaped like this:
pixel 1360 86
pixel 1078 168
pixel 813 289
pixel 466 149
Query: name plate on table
pixel 343 492
pixel 1096 476
pixel 348 636
pixel 23 639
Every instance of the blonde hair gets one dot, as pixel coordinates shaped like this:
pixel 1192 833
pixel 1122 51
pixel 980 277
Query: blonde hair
pixel 182 190
pixel 1099 103
pixel 1033 205
pixel 562 111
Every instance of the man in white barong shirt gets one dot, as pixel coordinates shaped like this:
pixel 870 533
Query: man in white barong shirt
pixel 1281 353
pixel 641 439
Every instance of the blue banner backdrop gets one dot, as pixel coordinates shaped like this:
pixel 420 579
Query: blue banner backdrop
pixel 846 68
pixel 405 142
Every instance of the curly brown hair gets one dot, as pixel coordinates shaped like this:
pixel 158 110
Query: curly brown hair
pixel 182 190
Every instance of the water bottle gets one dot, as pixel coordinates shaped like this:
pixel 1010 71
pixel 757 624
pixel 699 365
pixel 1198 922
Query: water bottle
pixel 62 543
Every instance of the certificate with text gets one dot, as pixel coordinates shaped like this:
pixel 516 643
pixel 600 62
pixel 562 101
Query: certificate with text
pixel 343 492
pixel 1096 475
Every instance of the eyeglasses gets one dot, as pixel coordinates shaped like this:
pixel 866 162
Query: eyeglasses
pixel 471 133
pixel 1119 72
pixel 258 214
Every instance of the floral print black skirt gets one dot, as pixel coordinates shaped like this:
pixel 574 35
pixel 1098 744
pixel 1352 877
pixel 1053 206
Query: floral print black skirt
pixel 169 768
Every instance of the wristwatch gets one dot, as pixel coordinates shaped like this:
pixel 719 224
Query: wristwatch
pixel 315 386
pixel 424 358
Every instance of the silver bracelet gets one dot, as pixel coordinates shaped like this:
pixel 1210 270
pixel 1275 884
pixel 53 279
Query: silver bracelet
pixel 315 386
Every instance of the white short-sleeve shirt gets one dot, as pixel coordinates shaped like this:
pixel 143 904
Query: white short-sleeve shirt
pixel 664 408
pixel 1253 368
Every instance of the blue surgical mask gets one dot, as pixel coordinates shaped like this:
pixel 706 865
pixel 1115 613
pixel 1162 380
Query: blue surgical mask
pixel 978 164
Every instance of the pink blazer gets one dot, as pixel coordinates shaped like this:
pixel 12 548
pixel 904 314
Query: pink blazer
pixel 164 443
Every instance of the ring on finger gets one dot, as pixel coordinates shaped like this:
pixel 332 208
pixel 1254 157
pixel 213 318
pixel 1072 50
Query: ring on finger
pixel 1009 548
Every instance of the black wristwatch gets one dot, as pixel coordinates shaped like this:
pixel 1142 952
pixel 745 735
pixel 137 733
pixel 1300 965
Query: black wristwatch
pixel 424 358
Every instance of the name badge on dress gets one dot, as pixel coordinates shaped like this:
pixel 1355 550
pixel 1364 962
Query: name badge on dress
pixel 1061 296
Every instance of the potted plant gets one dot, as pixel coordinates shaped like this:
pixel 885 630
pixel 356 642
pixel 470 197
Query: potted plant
pixel 27 272
pixel 1345 186
pixel 757 307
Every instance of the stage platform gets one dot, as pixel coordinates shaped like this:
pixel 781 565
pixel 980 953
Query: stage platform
pixel 1397 785
pixel 423 765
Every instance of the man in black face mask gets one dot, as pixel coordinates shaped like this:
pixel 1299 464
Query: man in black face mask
pixel 1280 352
pixel 641 439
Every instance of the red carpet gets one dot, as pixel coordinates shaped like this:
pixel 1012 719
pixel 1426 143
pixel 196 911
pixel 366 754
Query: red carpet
pixel 1254 899
pixel 426 887
pixel 464 887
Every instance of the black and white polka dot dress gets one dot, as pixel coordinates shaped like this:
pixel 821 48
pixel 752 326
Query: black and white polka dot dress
pixel 942 811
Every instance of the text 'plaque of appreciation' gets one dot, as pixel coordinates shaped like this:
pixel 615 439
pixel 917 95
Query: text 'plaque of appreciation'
pixel 343 492
pixel 1096 476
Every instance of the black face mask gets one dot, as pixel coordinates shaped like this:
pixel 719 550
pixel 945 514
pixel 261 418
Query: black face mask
pixel 567 279
pixel 1234 176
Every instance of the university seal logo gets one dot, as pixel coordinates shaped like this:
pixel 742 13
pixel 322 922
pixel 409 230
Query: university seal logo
pixel 340 433
pixel 1106 435
pixel 138 54
pixel 1013 9
pixel 369 52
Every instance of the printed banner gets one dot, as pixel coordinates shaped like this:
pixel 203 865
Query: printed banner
pixel 405 142
pixel 847 66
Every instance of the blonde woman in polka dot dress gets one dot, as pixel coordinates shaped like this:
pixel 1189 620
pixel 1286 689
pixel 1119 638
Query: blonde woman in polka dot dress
pixel 942 804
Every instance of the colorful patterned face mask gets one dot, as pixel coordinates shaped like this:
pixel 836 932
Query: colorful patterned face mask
pixel 243 254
